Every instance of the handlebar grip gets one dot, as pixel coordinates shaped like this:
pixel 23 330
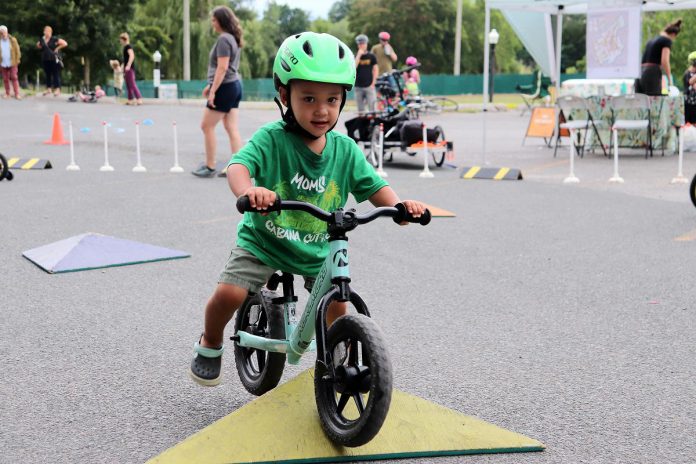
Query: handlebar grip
pixel 403 215
pixel 244 205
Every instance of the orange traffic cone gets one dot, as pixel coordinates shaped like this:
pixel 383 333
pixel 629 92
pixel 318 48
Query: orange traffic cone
pixel 57 133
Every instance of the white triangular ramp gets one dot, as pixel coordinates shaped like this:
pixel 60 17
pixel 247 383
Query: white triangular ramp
pixel 283 426
pixel 94 251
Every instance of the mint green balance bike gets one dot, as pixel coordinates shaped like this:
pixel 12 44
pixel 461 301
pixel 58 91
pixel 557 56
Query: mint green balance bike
pixel 353 373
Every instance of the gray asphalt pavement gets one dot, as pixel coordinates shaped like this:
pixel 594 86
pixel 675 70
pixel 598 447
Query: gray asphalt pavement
pixel 562 312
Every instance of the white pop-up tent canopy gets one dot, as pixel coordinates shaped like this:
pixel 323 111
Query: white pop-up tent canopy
pixel 531 21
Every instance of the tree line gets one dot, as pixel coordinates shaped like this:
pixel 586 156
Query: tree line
pixel 421 28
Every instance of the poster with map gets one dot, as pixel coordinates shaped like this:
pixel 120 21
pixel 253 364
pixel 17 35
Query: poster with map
pixel 613 42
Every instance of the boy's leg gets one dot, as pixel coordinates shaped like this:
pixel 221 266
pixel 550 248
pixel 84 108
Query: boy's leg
pixel 243 273
pixel 225 301
pixel 360 99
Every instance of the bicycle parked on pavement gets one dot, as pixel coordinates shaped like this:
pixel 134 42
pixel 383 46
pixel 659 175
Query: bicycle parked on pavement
pixel 353 372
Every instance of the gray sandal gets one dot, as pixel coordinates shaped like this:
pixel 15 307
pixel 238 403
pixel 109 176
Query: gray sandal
pixel 206 365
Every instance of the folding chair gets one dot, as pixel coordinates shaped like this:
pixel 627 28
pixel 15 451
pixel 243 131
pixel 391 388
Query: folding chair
pixel 638 106
pixel 573 108
pixel 537 90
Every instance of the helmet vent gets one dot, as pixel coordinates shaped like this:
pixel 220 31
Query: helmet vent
pixel 297 36
pixel 307 47
pixel 285 66
pixel 341 52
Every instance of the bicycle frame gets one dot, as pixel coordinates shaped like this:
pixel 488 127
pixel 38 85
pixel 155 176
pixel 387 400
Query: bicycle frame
pixel 334 272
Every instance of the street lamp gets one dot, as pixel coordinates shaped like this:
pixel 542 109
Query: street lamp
pixel 493 37
pixel 156 57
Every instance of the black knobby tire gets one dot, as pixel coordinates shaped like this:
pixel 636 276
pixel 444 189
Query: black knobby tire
pixel 439 157
pixel 4 169
pixel 362 380
pixel 259 370
pixel 692 190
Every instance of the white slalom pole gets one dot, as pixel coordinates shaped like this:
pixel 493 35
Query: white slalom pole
pixel 72 166
pixel 107 167
pixel 571 179
pixel 176 167
pixel 426 171
pixel 616 178
pixel 139 166
pixel 380 158
pixel 680 179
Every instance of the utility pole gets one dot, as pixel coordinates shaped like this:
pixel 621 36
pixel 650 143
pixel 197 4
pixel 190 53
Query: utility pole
pixel 187 41
pixel 458 40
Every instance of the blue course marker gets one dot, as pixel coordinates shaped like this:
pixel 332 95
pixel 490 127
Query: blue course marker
pixel 148 122
pixel 120 130
pixel 85 130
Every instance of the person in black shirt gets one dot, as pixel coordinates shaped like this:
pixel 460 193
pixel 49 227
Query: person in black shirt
pixel 51 60
pixel 134 96
pixel 689 80
pixel 655 60
pixel 365 75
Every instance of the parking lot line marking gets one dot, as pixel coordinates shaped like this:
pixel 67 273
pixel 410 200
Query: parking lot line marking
pixel 687 237
pixel 11 162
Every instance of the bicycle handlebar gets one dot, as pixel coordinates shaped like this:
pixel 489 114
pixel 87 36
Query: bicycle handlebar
pixel 403 70
pixel 398 213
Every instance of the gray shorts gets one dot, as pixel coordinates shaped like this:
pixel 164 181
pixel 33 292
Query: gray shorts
pixel 245 270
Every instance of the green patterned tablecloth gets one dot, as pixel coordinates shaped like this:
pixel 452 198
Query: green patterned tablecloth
pixel 666 114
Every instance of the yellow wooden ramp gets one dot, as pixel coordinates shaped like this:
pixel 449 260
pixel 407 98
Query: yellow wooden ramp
pixel 283 426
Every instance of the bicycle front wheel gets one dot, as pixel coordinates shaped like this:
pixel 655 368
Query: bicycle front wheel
pixel 692 190
pixel 259 370
pixel 353 394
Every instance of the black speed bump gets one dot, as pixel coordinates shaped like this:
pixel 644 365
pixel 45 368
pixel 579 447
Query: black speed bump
pixel 478 172
pixel 29 163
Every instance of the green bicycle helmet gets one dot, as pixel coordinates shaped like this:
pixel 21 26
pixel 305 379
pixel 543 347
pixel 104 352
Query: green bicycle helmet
pixel 691 58
pixel 314 57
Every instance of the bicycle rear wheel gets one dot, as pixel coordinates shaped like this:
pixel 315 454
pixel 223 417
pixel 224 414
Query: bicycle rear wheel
pixel 445 104
pixel 692 190
pixel 259 370
pixel 354 393
pixel 439 156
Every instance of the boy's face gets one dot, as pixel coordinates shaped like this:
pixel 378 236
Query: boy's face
pixel 316 105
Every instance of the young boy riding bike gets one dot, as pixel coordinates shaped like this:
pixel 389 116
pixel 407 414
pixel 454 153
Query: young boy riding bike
pixel 301 158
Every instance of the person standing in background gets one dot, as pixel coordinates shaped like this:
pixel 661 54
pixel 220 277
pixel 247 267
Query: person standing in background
pixel 384 52
pixel 118 77
pixel 689 80
pixel 10 55
pixel 224 89
pixel 50 47
pixel 134 97
pixel 365 76
pixel 655 60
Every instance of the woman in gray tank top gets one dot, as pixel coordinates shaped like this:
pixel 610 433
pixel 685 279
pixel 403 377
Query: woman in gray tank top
pixel 224 89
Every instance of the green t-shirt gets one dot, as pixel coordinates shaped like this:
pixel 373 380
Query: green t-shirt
pixel 295 241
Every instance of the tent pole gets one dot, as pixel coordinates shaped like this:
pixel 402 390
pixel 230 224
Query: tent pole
pixel 559 38
pixel 486 51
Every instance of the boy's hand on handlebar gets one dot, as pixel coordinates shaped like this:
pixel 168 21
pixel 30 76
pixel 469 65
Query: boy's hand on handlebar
pixel 260 198
pixel 414 208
